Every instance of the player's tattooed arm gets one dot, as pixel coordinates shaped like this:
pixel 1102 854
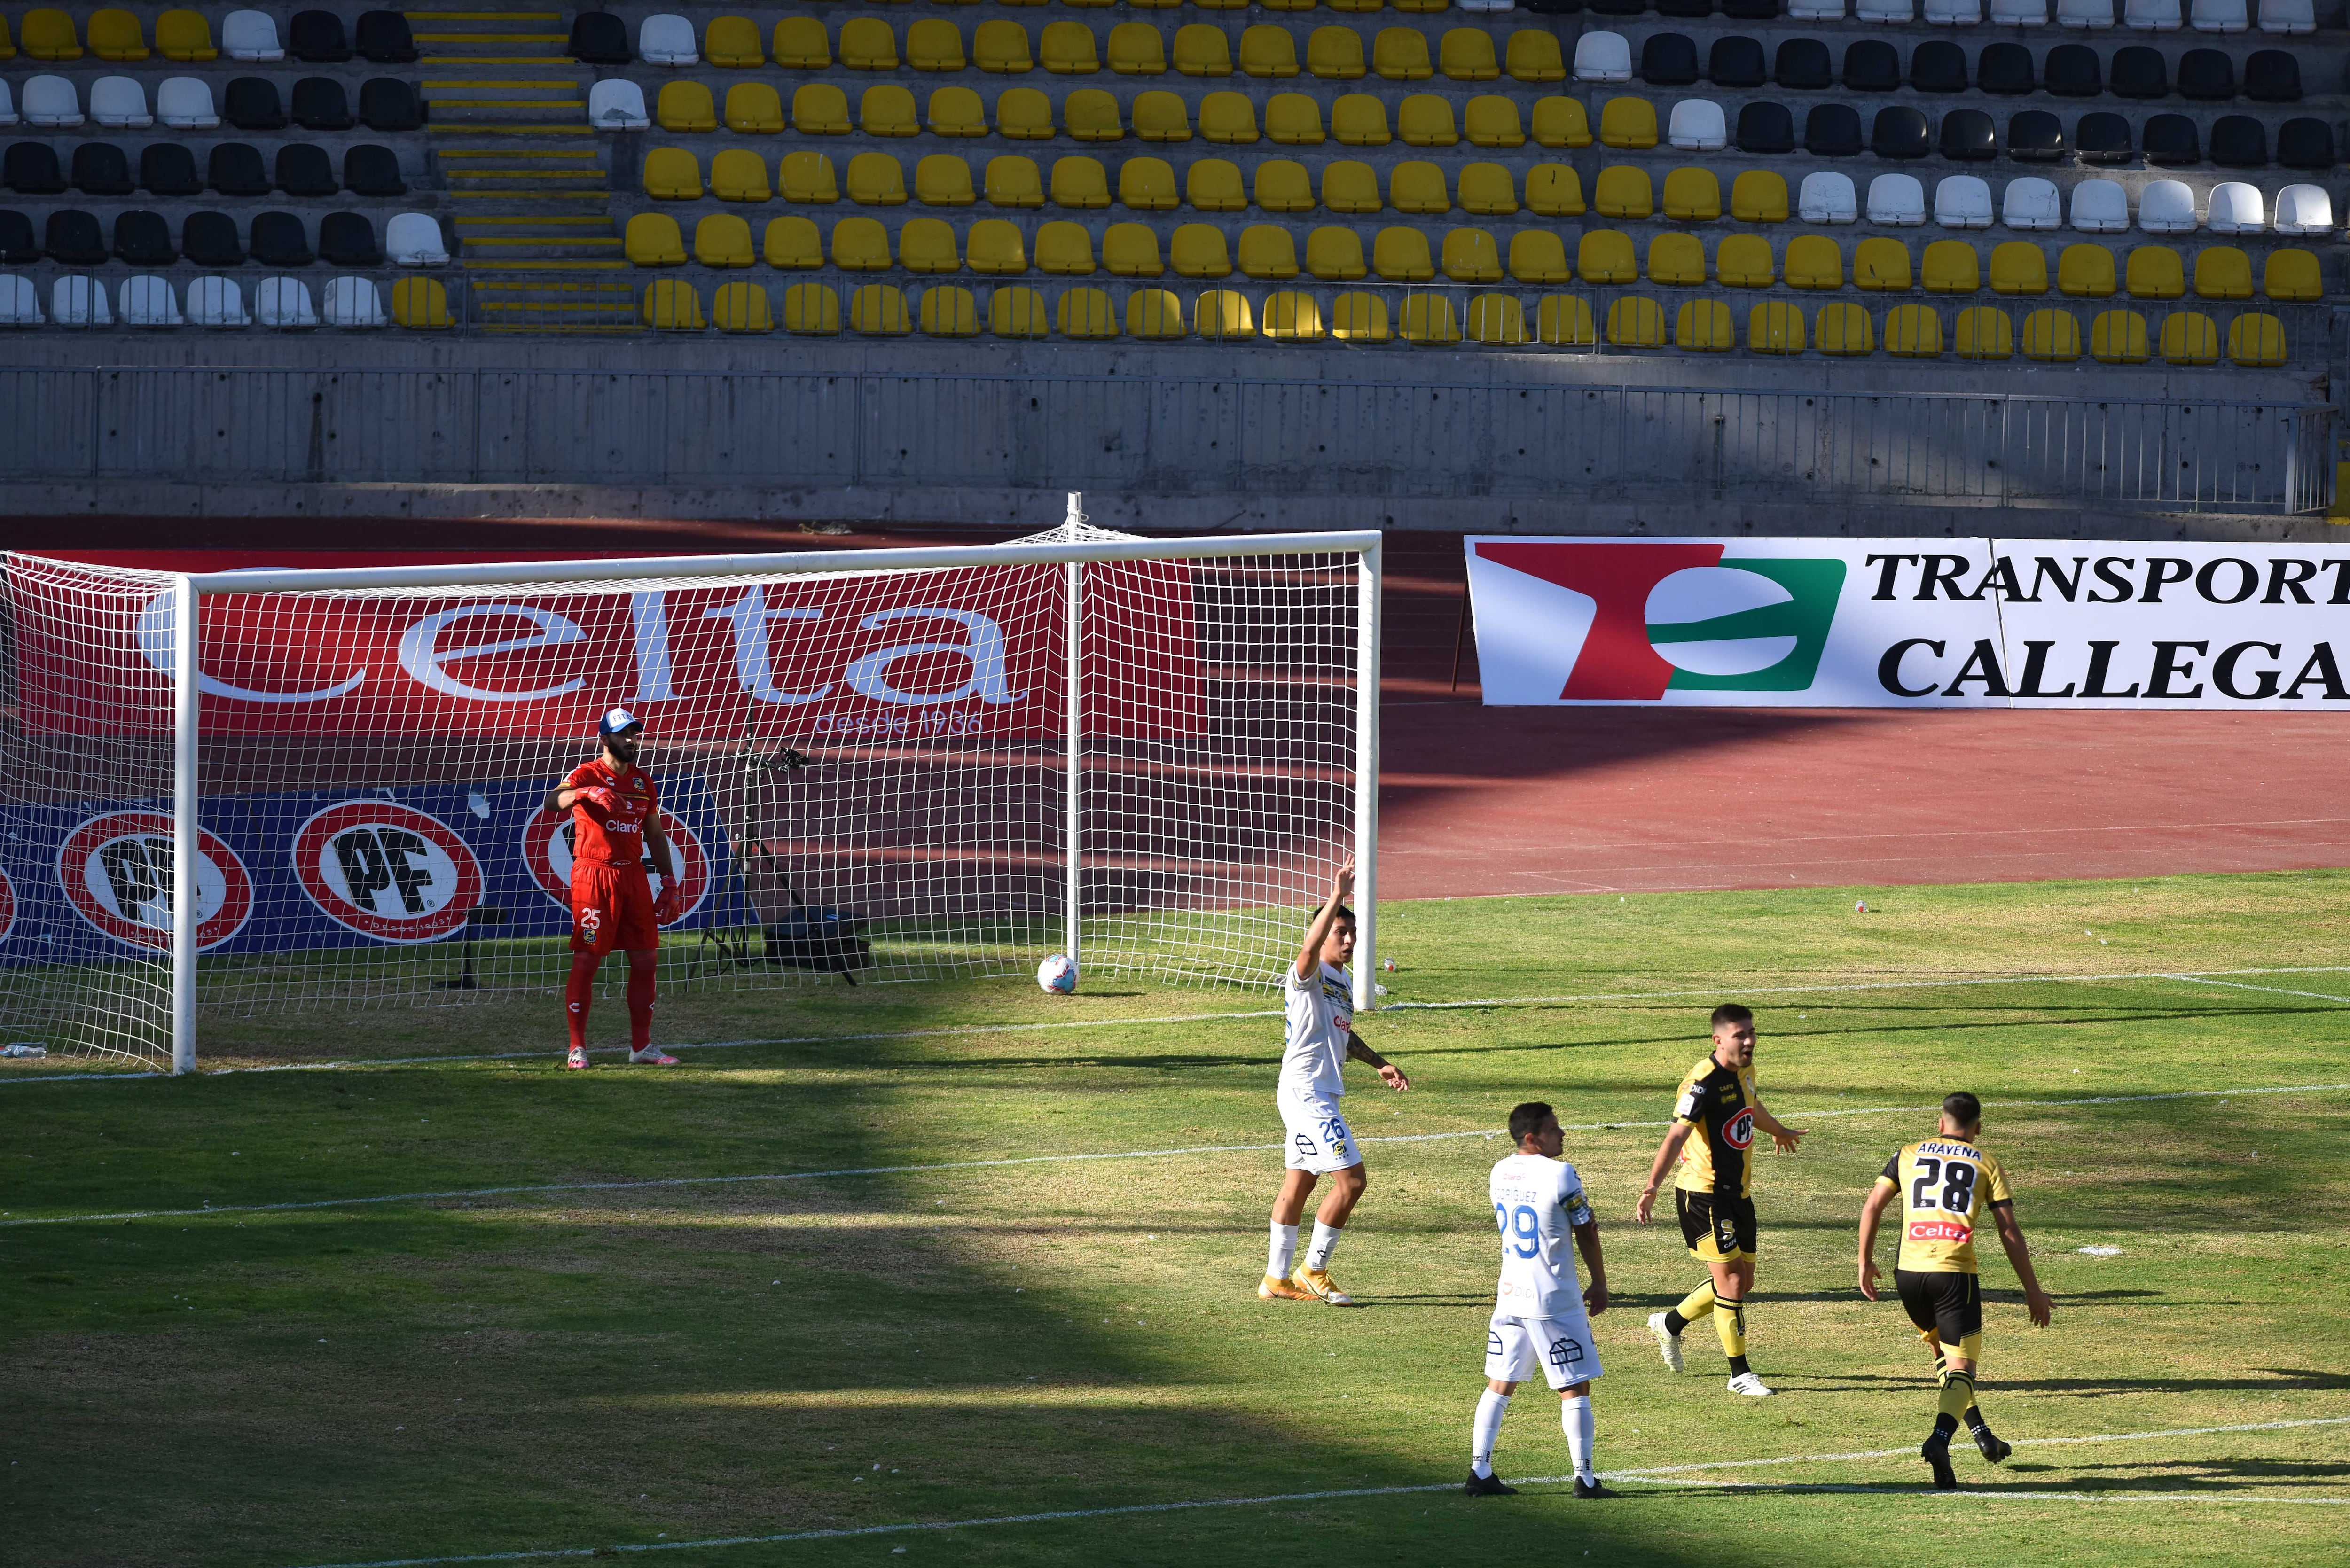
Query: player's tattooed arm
pixel 1594 1294
pixel 1389 1074
pixel 1870 1213
pixel 2019 1257
pixel 657 843
pixel 1667 1152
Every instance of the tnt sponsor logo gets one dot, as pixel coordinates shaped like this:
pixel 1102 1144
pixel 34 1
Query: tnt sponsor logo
pixel 547 850
pixel 1740 1133
pixel 117 872
pixel 387 871
pixel 1938 1230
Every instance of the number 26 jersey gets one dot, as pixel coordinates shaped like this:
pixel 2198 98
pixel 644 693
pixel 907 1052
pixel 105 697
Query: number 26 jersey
pixel 1537 1203
pixel 1947 1187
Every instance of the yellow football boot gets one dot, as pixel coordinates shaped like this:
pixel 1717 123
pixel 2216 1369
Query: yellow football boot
pixel 1273 1288
pixel 1315 1282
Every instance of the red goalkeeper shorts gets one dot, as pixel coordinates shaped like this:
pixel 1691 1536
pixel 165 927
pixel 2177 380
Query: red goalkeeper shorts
pixel 611 906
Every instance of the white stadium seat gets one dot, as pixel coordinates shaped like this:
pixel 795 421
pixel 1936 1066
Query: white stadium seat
pixel 2019 13
pixel 20 302
pixel 2236 209
pixel 1815 10
pixel 7 105
pixel 414 239
pixel 2151 15
pixel 2032 203
pixel 77 301
pixel 1885 10
pixel 148 302
pixel 1602 57
pixel 617 105
pixel 667 40
pixel 1961 201
pixel 1698 125
pixel 2166 207
pixel 1488 5
pixel 353 302
pixel 51 103
pixel 2288 16
pixel 2100 207
pixel 2304 210
pixel 1827 197
pixel 1954 13
pixel 250 35
pixel 120 103
pixel 216 302
pixel 2085 13
pixel 2219 15
pixel 185 103
pixel 1897 201
pixel 284 301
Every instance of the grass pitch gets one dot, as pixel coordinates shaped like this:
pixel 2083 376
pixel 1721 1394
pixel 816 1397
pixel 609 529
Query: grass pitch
pixel 634 1365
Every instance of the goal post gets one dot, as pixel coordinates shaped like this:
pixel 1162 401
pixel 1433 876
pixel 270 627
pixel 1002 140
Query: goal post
pixel 260 791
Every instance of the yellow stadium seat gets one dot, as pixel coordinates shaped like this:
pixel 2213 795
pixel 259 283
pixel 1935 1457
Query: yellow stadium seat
pixel 671 305
pixel 733 42
pixel 2052 337
pixel 1627 123
pixel 1623 191
pixel 1228 117
pixel 2019 267
pixel 1677 260
pixel 1705 327
pixel 1634 322
pixel 653 239
pixel 1914 331
pixel 672 174
pixel 888 112
pixel 2190 337
pixel 1472 256
pixel 1844 331
pixel 956 111
pixel 685 108
pixel 1154 312
pixel 2154 272
pixel 1067 49
pixel 1950 266
pixel 1759 196
pixel 2255 340
pixel 1492 120
pixel 867 44
pixel 1080 181
pixel 1002 47
pixel 1538 256
pixel 737 174
pixel 1335 54
pixel 2085 272
pixel 1335 254
pixel 944 180
pixel 1268 252
pixel 820 108
pixel 1554 191
pixel 1158 116
pixel 1353 6
pixel 1466 55
pixel 1424 120
pixel 1743 260
pixel 1774 326
pixel 875 180
pixel 1605 255
pixel 1561 122
pixel 1283 185
pixel 1498 321
pixel 1485 189
pixel 1693 196
pixel 754 109
pixel 1359 317
pixel 949 311
pixel 1417 187
pixel 860 244
pixel 1814 261
pixel 1291 316
pixel 1348 186
pixel 185 37
pixel 1400 255
pixel 1880 265
pixel 1148 185
pixel 1137 50
pixel 927 245
pixel 741 307
pixel 1222 312
pixel 933 46
pixel 1198 250
pixel 1294 119
pixel 1534 58
pixel 1268 52
pixel 994 246
pixel 1012 181
pixel 49 35
pixel 2291 274
pixel 1400 55
pixel 1084 312
pixel 1065 249
pixel 2222 272
pixel 1204 51
pixel 115 35
pixel 422 305
pixel 1982 332
pixel 1131 249
pixel 792 243
pixel 803 44
pixel 1428 320
pixel 879 310
pixel 1017 312
pixel 1213 185
pixel 1563 320
pixel 722 240
pixel 1358 120
pixel 1023 114
pixel 2118 337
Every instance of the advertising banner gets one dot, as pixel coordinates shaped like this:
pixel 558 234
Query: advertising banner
pixel 1924 623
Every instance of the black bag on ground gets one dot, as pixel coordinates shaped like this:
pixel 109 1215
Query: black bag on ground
pixel 817 937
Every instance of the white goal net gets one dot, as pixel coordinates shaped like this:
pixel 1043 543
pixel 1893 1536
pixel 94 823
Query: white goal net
pixel 873 766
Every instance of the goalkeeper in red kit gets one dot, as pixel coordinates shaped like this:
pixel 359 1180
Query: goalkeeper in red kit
pixel 615 820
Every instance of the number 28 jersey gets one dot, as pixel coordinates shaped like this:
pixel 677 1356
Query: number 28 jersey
pixel 1947 1187
pixel 1537 1203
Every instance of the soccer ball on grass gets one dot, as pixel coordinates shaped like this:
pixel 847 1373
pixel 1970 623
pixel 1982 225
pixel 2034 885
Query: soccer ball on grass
pixel 1057 975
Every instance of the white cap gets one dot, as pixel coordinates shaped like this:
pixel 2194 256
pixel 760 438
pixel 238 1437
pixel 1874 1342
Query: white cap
pixel 617 720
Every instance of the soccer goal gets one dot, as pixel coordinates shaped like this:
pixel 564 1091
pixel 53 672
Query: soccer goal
pixel 257 792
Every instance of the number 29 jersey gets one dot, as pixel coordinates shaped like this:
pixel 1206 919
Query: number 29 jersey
pixel 1947 1186
pixel 1537 1203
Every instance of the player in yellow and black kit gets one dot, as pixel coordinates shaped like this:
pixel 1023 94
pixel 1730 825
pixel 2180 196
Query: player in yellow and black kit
pixel 1946 1185
pixel 1715 1117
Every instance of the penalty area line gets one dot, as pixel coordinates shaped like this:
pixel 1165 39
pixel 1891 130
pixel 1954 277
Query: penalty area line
pixel 1135 1510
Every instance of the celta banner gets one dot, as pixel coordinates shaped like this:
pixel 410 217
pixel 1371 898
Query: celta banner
pixel 1910 623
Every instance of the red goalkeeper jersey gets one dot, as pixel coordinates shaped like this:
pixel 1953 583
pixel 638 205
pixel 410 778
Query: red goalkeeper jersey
pixel 616 838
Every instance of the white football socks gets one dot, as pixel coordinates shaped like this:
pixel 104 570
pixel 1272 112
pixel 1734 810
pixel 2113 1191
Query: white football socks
pixel 1285 1251
pixel 1324 1243
pixel 1486 1432
pixel 1575 1415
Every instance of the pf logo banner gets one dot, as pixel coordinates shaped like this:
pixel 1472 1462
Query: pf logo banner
pixel 387 871
pixel 116 870
pixel 547 850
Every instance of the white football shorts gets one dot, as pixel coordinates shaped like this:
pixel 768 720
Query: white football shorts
pixel 1562 1347
pixel 1318 1138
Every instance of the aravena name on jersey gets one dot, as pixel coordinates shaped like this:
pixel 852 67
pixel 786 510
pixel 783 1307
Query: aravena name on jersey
pixel 1537 1203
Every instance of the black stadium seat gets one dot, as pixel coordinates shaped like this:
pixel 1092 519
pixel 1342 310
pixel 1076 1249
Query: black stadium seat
pixel 1832 130
pixel 2206 74
pixel 2034 135
pixel 209 239
pixel 143 239
pixel 236 170
pixel 2138 72
pixel 2271 76
pixel 18 247
pixel 320 104
pixel 384 38
pixel 252 104
pixel 1751 10
pixel 2305 144
pixel 348 239
pixel 1685 8
pixel 100 169
pixel 168 169
pixel 1871 66
pixel 387 103
pixel 1765 126
pixel 73 240
pixel 1668 59
pixel 2240 141
pixel 2170 141
pixel 2004 68
pixel 1617 8
pixel 278 240
pixel 304 169
pixel 31 168
pixel 1539 7
pixel 600 38
pixel 1736 62
pixel 1938 66
pixel 318 37
pixel 1969 135
pixel 1901 132
pixel 2104 137
pixel 1802 66
pixel 372 171
pixel 2071 71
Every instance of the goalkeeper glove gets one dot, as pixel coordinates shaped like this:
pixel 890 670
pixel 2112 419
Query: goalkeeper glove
pixel 600 796
pixel 665 904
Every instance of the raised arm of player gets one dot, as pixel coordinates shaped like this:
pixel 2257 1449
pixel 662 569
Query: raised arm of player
pixel 563 797
pixel 1594 1294
pixel 1783 1137
pixel 1389 1074
pixel 2019 1257
pixel 1870 1213
pixel 1309 956
pixel 1667 1152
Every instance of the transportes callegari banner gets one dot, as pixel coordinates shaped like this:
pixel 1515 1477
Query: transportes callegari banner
pixel 1910 623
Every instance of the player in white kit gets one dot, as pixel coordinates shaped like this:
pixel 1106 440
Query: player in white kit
pixel 1320 1005
pixel 1541 1314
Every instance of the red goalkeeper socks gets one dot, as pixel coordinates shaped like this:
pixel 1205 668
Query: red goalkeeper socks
pixel 641 1006
pixel 579 991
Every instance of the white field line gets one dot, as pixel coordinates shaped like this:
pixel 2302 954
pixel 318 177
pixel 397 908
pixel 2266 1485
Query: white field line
pixel 1971 1495
pixel 977 1030
pixel 2272 989
pixel 467 1192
